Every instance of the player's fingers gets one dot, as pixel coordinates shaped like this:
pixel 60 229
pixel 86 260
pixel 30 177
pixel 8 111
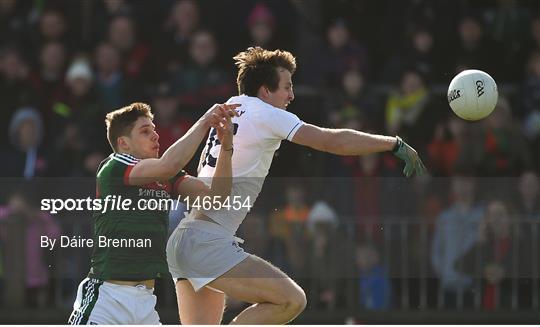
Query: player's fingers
pixel 226 121
pixel 231 108
pixel 228 110
pixel 232 105
pixel 214 119
pixel 221 110
pixel 220 130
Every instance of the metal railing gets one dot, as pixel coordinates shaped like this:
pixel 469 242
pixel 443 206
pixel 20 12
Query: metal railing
pixel 404 248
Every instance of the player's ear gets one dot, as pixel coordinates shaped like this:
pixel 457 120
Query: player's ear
pixel 123 142
pixel 263 92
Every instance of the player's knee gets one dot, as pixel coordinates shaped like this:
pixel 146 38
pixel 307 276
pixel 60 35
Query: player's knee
pixel 296 302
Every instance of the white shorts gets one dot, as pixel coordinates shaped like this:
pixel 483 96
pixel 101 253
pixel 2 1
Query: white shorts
pixel 201 251
pixel 103 303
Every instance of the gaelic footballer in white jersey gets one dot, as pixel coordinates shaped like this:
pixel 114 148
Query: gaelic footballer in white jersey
pixel 204 249
pixel 259 130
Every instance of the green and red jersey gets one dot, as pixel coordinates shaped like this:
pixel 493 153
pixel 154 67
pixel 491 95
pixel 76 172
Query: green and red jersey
pixel 130 263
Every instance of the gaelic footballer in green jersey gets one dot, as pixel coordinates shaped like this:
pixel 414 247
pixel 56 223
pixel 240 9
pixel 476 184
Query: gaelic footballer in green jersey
pixel 136 260
pixel 129 243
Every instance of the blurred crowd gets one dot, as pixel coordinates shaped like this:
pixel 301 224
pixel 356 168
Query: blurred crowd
pixel 470 228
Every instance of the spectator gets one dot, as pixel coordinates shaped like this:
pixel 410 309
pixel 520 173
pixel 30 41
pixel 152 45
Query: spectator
pixel 530 94
pixel 368 198
pixel 492 259
pixel 407 104
pixel 445 147
pixel 173 46
pixel 475 49
pixel 77 119
pixel 455 234
pixel 375 286
pixel 502 149
pixel 25 156
pixel 340 53
pixel 508 24
pixel 261 25
pixel 48 82
pixel 288 230
pixel 105 11
pixel 201 82
pixel 325 260
pixel 15 89
pixel 531 45
pixel 529 105
pixel 171 123
pixel 51 27
pixel 36 224
pixel 418 54
pixel 528 202
pixel 113 89
pixel 117 7
pixel 12 21
pixel 412 106
pixel 123 36
pixel 354 101
pixel 527 215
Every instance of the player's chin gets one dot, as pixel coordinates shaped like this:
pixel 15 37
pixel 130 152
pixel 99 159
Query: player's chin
pixel 152 154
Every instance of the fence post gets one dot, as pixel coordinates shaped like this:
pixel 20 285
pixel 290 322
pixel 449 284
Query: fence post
pixel 515 262
pixel 405 265
pixel 534 261
pixel 423 264
pixel 15 259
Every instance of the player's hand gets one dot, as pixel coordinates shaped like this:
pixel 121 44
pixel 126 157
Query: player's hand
pixel 225 132
pixel 213 117
pixel 413 164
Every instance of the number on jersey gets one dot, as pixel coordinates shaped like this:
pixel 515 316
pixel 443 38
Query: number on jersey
pixel 213 141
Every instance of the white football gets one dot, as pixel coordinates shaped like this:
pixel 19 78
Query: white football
pixel 472 94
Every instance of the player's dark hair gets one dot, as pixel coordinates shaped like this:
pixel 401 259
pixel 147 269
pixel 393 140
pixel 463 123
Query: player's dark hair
pixel 120 122
pixel 259 67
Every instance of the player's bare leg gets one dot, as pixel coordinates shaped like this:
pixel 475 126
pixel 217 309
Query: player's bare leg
pixel 276 298
pixel 203 307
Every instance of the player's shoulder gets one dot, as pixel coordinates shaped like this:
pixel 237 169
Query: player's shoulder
pixel 116 164
pixel 250 103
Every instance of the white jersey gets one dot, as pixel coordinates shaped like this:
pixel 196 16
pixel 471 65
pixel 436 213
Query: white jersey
pixel 258 134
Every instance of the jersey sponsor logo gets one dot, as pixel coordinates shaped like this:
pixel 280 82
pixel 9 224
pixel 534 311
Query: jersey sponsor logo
pixel 148 192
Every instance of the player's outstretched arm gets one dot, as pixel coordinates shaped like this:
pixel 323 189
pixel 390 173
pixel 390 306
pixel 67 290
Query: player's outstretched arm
pixel 222 179
pixel 181 152
pixel 348 142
